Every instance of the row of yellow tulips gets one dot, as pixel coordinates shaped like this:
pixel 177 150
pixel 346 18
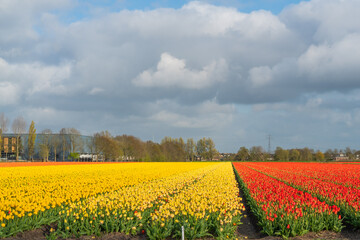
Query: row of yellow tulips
pixel 139 198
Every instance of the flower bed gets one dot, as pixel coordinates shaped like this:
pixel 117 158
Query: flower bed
pixel 284 210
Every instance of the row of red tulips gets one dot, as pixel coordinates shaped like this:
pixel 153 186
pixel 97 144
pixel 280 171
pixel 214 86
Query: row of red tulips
pixel 346 198
pixel 284 210
pixel 342 174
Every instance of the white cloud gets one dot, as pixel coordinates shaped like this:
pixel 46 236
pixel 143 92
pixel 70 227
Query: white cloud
pixel 172 72
pixel 212 20
pixel 260 76
pixel 211 58
pixel 9 94
pixel 323 62
pixel 323 20
pixel 96 91
pixel 206 115
pixel 35 77
pixel 18 19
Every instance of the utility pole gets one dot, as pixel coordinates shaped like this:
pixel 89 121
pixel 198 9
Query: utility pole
pixel 269 144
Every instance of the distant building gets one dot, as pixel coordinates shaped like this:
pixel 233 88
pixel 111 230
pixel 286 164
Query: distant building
pixel 225 156
pixel 62 151
pixel 341 157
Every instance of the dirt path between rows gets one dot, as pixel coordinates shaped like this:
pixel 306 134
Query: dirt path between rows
pixel 246 230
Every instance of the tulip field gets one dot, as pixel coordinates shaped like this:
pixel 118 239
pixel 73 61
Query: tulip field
pixel 153 199
pixel 291 198
pixel 158 199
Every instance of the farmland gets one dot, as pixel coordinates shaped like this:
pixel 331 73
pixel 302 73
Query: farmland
pixel 291 199
pixel 154 200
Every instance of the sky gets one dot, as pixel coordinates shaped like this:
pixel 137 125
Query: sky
pixel 235 71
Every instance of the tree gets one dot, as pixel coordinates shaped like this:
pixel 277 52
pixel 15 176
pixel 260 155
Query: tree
pixel 90 143
pixel 210 149
pixel 154 153
pixel 18 128
pixel 306 154
pixel 329 154
pixel 31 140
pixel 44 144
pixel 257 153
pixel 201 148
pixel 173 149
pixel 131 147
pixel 350 153
pixel 182 144
pixel 55 143
pixel 294 155
pixel 319 156
pixel 64 141
pixel 107 146
pixel 97 146
pixel 242 154
pixel 190 149
pixel 76 142
pixel 281 154
pixel 137 147
pixel 74 156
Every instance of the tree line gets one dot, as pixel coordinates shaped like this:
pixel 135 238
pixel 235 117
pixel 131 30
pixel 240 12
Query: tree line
pixel 257 153
pixel 68 143
pixel 129 148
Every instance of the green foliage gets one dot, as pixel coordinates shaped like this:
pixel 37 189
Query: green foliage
pixel 205 148
pixel 319 156
pixel 306 155
pixel 44 151
pixel 31 140
pixel 242 154
pixel 74 156
pixel 190 149
pixel 281 154
pixel 294 155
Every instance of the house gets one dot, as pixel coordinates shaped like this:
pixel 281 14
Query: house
pixel 341 157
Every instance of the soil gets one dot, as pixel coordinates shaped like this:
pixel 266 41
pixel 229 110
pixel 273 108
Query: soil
pixel 249 230
pixel 245 231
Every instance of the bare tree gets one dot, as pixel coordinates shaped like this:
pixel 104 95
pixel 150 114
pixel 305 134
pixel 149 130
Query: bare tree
pixel 190 149
pixel 18 127
pixel 44 145
pixel 76 142
pixel 64 141
pixel 107 146
pixel 55 142
pixel 90 143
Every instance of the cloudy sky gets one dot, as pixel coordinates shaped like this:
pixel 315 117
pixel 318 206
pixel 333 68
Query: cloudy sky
pixel 232 70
